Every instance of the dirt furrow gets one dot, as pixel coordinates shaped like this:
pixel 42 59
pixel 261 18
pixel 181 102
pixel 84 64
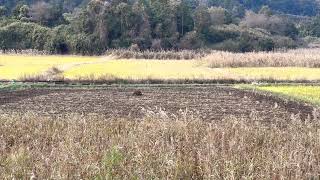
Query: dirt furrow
pixel 208 103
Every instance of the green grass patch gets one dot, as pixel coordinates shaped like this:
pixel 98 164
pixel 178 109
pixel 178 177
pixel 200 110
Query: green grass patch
pixel 305 93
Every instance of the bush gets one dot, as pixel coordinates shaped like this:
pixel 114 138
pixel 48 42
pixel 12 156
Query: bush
pixel 227 45
pixel 221 33
pixel 282 42
pixel 191 41
pixel 19 35
pixel 57 44
pixel 265 44
pixel 40 37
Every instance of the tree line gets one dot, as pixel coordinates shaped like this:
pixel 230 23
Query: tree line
pixel 91 27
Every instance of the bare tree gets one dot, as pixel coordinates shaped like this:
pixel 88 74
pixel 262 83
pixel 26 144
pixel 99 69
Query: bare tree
pixel 274 24
pixel 40 12
pixel 254 20
pixel 218 15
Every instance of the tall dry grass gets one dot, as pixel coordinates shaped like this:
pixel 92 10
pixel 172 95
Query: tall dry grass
pixel 220 59
pixel 157 148
pixel 159 55
pixel 291 58
pixel 51 74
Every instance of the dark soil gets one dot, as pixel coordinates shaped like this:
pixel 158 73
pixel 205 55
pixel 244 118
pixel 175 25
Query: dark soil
pixel 208 103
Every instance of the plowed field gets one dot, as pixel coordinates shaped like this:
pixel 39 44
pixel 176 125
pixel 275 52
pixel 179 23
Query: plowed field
pixel 207 103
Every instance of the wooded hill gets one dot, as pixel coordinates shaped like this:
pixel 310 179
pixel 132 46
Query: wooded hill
pixel 92 27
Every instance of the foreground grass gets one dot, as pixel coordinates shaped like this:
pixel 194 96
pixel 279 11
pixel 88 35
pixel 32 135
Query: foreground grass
pixel 306 93
pixel 157 148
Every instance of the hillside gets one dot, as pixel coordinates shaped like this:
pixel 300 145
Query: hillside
pixel 92 27
pixel 296 7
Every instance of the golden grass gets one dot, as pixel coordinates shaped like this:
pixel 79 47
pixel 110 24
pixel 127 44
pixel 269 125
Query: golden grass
pixel 275 73
pixel 17 66
pixel 186 69
pixel 157 148
pixel 145 69
pixel 306 93
pixel 294 65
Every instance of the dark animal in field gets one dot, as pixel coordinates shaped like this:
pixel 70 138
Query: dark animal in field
pixel 137 93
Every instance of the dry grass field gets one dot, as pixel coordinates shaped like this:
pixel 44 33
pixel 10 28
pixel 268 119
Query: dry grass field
pixel 157 148
pixel 291 58
pixel 19 66
pixel 186 70
pixel 293 65
pixel 167 133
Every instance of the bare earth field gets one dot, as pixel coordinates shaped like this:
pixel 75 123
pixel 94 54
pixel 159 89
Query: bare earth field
pixel 205 102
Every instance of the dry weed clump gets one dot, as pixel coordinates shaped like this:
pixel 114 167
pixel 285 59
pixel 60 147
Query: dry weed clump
pixel 53 71
pixel 51 74
pixel 162 55
pixel 41 78
pixel 157 148
pixel 291 58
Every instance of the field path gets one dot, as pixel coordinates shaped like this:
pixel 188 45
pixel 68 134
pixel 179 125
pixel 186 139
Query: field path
pixel 208 103
pixel 65 67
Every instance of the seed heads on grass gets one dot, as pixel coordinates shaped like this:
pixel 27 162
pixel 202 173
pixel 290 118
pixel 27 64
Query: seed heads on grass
pixel 291 58
pixel 88 147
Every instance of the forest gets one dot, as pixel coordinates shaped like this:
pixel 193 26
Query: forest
pixel 90 27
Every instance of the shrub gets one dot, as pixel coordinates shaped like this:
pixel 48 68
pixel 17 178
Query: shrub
pixel 191 41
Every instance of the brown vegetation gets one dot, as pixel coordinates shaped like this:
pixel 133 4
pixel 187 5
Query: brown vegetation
pixel 51 74
pixel 42 78
pixel 162 54
pixel 54 71
pixel 217 59
pixel 292 58
pixel 157 147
